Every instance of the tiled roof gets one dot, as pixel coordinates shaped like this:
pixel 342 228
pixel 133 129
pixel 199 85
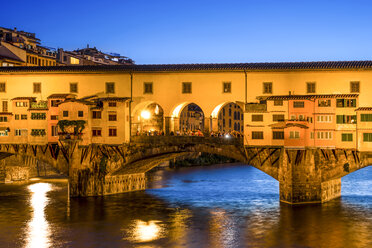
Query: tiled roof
pixel 305 97
pixel 24 98
pixel 63 95
pixel 364 109
pixel 280 66
pixel 117 99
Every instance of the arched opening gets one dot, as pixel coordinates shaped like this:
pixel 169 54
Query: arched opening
pixel 147 118
pixel 228 117
pixel 188 118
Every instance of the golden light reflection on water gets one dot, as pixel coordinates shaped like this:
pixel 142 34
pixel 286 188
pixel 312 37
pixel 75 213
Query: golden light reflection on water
pixel 146 231
pixel 38 228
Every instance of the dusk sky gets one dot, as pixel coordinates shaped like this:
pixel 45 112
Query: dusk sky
pixel 197 31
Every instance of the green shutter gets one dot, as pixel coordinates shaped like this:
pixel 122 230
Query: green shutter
pixel 340 119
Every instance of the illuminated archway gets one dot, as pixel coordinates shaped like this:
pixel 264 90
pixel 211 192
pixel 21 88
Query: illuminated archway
pixel 187 117
pixel 227 117
pixel 147 117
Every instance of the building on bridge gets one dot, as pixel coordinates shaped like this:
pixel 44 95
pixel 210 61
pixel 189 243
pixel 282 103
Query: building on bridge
pixel 306 121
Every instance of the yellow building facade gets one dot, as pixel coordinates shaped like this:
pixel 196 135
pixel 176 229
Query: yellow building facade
pixel 206 85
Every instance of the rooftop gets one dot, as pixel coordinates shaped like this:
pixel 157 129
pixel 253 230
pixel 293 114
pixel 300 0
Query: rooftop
pixel 306 97
pixel 282 66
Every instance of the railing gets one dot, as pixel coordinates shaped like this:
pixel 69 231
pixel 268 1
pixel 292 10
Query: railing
pixel 175 140
pixel 39 105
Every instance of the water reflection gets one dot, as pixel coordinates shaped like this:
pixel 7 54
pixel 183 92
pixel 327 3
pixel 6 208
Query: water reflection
pixel 38 228
pixel 146 231
pixel 215 207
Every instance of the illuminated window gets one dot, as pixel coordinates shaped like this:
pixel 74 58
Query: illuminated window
pixel 354 87
pixel 110 88
pixel 73 87
pixel 74 61
pixel 147 88
pixel 186 88
pixel 226 87
pixel 310 87
pixel 37 87
pixel 267 88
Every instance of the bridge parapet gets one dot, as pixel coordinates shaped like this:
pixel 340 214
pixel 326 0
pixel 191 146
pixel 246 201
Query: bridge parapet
pixel 176 140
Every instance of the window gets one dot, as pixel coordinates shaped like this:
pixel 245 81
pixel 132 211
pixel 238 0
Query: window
pixel 21 104
pixel 96 132
pixel 2 87
pixel 324 103
pixel 17 132
pixel 226 86
pixel 293 117
pixel 278 102
pixel 278 117
pixel 267 88
pixel 301 117
pixel 112 132
pixel 324 118
pixel 23 117
pixel 37 87
pixel 16 117
pixel 354 87
pixel 65 113
pixel 54 117
pixel 54 103
pixel 346 119
pixel 5 106
pixel 110 88
pixel 97 114
pixel 298 104
pixel 345 103
pixel 3 119
pixel 257 117
pixel 324 135
pixel 311 135
pixel 310 87
pixel 347 137
pixel 366 117
pixel 186 88
pixel 278 135
pixel 73 87
pixel 112 116
pixel 54 130
pixel 112 104
pixel 257 135
pixel 80 113
pixel 38 116
pixel 147 88
pixel 367 137
pixel 294 134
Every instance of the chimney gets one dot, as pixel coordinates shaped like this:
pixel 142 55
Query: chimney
pixel 289 92
pixel 15 29
pixel 87 45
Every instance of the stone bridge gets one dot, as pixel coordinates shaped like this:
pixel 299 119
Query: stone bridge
pixel 305 176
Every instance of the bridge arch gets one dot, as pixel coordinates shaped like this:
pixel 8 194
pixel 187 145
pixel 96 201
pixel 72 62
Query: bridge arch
pixel 227 117
pixel 186 117
pixel 147 116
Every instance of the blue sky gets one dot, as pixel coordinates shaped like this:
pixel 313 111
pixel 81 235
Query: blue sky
pixel 204 31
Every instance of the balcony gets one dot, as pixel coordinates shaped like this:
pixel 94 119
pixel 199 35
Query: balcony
pixel 41 105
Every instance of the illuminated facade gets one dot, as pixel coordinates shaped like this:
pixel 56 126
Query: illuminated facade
pixel 170 88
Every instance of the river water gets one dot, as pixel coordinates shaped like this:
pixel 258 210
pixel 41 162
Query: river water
pixel 214 206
